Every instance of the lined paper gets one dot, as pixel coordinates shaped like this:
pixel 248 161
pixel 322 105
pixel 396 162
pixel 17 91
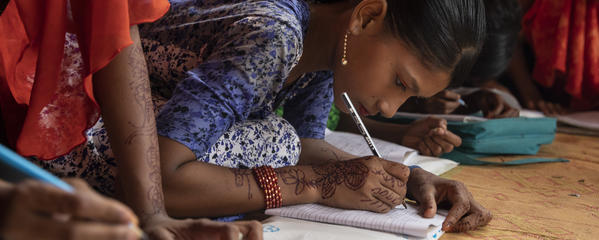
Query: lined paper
pixel 398 220
pixel 355 144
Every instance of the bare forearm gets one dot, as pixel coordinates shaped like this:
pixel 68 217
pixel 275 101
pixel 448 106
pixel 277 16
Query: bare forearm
pixel 123 91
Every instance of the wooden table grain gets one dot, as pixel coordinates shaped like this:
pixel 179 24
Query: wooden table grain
pixel 538 201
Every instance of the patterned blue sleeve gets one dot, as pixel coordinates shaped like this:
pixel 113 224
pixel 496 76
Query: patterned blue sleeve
pixel 308 111
pixel 251 58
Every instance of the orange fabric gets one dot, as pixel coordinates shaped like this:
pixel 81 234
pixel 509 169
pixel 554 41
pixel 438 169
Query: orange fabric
pixel 565 38
pixel 48 76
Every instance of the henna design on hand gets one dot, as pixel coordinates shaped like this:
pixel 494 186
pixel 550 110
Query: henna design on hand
pixel 387 195
pixel 352 174
pixel 378 204
pixel 393 181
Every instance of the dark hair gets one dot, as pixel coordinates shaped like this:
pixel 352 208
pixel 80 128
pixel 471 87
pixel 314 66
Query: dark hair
pixel 503 25
pixel 448 34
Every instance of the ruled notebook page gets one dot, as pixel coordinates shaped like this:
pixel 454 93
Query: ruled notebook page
pixel 356 145
pixel 398 220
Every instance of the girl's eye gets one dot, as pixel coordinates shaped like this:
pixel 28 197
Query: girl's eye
pixel 399 83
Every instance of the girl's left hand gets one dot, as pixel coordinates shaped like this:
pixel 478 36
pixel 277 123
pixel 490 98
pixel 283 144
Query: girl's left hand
pixel 430 137
pixel 428 190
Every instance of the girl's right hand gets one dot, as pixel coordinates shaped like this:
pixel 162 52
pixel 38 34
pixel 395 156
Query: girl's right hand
pixel 367 183
pixel 35 210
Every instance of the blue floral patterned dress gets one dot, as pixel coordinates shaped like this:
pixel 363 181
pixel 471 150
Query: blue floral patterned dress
pixel 222 66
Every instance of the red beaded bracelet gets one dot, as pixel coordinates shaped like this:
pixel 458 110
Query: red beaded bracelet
pixel 268 181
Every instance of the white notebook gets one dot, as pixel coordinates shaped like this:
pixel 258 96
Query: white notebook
pixel 356 145
pixel 283 228
pixel 588 120
pixel 398 221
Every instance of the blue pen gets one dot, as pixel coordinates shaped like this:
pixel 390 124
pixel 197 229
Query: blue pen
pixel 25 168
pixel 462 102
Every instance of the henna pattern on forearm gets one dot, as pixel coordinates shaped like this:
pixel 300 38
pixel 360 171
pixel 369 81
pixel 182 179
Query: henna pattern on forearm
pixel 295 177
pixel 242 176
pixel 351 174
pixel 140 86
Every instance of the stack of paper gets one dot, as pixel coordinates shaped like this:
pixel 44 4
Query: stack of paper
pixel 580 123
pixel 283 228
pixel 588 120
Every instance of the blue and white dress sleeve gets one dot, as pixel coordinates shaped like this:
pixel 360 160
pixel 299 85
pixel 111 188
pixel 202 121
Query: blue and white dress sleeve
pixel 308 111
pixel 253 56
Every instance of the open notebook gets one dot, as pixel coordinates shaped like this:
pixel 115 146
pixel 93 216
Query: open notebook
pixel 283 228
pixel 355 144
pixel 403 223
pixel 399 220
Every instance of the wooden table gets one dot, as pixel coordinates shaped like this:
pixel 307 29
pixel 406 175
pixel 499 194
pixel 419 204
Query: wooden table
pixel 538 201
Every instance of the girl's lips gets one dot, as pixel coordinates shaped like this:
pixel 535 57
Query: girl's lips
pixel 363 110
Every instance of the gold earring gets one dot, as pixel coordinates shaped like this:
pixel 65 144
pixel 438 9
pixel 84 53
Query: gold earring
pixel 344 59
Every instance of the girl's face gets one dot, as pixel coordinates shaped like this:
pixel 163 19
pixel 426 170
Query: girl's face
pixel 382 73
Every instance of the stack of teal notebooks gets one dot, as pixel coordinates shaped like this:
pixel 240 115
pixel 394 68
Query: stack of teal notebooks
pixel 492 137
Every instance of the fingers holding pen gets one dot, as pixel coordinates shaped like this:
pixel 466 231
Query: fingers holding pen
pixel 57 214
pixel 387 196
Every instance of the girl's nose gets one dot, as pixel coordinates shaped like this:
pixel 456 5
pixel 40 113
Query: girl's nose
pixel 388 107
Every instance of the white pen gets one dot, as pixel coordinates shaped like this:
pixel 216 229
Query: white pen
pixel 362 128
pixel 360 124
